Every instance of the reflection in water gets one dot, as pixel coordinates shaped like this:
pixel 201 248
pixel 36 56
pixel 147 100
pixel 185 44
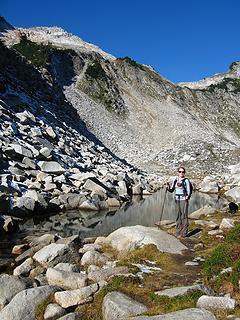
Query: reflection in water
pixel 148 211
pixel 87 224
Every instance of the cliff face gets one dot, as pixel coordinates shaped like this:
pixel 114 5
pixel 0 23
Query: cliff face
pixel 136 113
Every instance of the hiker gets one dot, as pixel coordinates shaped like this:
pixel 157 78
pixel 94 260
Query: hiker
pixel 182 188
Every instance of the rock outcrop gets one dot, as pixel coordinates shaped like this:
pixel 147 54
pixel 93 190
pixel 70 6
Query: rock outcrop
pixel 126 239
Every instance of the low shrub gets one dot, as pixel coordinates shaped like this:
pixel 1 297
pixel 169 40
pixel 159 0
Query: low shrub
pixel 96 71
pixel 132 62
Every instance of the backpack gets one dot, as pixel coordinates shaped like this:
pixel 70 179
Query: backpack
pixel 185 187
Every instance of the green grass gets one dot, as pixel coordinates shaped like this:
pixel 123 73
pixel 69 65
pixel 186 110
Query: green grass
pixel 41 307
pixel 224 256
pixel 130 286
pixel 165 304
pixel 93 311
pixel 234 235
pixel 217 261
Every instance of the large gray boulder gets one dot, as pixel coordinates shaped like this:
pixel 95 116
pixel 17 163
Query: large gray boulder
pixel 129 238
pixel 48 254
pixel 25 116
pixel 234 169
pixel 43 240
pixel 178 291
pixel 45 152
pixel 71 200
pixel 24 304
pixel 227 223
pixel 93 257
pixel 90 205
pixel 24 268
pixel 186 314
pixel 53 312
pixel 204 211
pixel 10 286
pixel 66 280
pixel 113 202
pixel 51 167
pixel 233 194
pixel 75 297
pixel 17 151
pixel 213 303
pixel 93 184
pixel 106 273
pixel 25 203
pixel 64 266
pixel 31 201
pixel 118 306
pixel 209 185
pixel 51 132
pixel 81 176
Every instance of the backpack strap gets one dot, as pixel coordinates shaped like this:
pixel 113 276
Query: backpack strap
pixel 184 186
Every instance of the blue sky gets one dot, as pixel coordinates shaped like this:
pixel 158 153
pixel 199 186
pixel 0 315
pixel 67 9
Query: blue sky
pixel 184 40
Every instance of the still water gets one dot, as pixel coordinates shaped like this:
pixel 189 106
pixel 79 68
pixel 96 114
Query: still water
pixel 148 211
pixel 145 212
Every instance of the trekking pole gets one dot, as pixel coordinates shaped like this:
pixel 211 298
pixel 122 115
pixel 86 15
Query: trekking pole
pixel 164 199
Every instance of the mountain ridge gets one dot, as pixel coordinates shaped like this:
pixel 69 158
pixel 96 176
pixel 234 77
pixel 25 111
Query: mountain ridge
pixel 137 113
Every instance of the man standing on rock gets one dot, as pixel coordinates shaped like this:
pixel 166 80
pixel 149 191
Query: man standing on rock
pixel 182 188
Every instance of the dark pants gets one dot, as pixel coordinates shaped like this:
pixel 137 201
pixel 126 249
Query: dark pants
pixel 182 218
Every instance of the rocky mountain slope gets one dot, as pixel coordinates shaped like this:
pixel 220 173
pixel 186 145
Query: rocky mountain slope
pixel 55 161
pixel 132 110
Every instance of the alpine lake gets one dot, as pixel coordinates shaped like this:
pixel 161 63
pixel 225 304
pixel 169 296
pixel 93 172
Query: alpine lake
pixel 145 211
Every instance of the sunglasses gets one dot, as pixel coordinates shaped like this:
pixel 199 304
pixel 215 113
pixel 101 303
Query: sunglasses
pixel 181 171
